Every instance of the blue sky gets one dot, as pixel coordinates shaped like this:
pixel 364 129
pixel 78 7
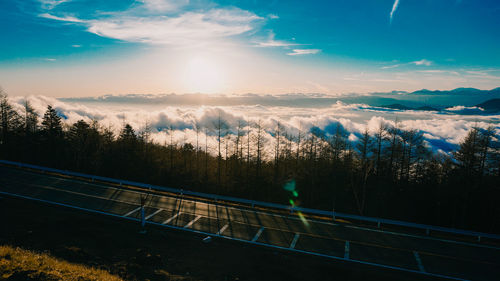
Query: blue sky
pixel 90 47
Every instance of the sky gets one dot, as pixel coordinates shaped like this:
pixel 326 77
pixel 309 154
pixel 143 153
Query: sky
pixel 77 48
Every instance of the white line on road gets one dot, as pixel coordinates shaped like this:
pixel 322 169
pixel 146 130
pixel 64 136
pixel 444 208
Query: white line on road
pixel 131 212
pixel 419 261
pixel 294 241
pixel 191 222
pixel 346 250
pixel 222 229
pixel 156 212
pixel 258 234
pixel 171 218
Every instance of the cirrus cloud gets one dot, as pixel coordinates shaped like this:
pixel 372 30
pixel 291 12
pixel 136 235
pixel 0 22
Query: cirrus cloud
pixel 300 52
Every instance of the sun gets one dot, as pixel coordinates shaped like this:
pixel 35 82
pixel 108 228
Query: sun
pixel 203 75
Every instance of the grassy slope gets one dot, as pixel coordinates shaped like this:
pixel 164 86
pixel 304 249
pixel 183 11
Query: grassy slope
pixel 19 264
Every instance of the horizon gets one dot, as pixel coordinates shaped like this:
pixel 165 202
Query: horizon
pixel 247 94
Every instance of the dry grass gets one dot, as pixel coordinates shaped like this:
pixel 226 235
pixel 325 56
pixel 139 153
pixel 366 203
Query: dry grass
pixel 19 264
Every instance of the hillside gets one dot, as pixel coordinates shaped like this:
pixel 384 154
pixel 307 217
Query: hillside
pixel 19 264
pixel 490 105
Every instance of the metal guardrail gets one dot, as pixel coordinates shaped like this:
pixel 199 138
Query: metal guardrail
pixel 253 203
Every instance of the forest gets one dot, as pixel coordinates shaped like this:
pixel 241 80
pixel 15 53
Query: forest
pixel 388 173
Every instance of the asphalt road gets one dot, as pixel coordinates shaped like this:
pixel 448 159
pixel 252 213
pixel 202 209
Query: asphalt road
pixel 402 251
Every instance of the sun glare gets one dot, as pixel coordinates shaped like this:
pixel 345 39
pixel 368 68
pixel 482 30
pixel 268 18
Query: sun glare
pixel 203 75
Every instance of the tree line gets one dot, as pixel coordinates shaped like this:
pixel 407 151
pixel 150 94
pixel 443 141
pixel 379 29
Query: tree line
pixel 388 173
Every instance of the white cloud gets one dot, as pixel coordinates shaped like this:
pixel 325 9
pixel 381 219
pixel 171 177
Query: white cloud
pixel 390 66
pixel 299 52
pixel 49 59
pixel 76 46
pixel 271 42
pixel 180 29
pixel 274 43
pixel 394 8
pixel 439 71
pixel 463 108
pixel 63 18
pixel 163 5
pixel 50 4
pixel 422 62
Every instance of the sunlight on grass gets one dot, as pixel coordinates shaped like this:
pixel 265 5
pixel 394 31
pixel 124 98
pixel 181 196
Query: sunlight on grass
pixel 20 264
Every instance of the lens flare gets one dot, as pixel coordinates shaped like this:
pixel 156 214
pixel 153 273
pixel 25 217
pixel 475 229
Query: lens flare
pixel 290 186
pixel 303 219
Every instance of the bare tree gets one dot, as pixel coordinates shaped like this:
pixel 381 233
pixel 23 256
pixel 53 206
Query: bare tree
pixel 363 147
pixel 379 139
pixel 220 127
pixel 393 136
pixel 259 142
pixel 30 118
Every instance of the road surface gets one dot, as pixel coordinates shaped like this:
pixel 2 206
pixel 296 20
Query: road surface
pixel 402 251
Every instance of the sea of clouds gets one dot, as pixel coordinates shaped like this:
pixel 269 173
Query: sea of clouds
pixel 442 130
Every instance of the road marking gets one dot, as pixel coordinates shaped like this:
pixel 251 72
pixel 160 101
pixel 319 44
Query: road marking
pixel 222 229
pixel 346 250
pixel 419 261
pixel 294 241
pixel 157 211
pixel 258 234
pixel 131 212
pixel 171 218
pixel 191 222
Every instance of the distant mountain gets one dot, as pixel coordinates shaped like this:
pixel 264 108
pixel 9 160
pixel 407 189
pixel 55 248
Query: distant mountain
pixel 492 105
pixel 457 91
pixel 398 106
pixel 440 99
pixel 427 108
pixel 401 100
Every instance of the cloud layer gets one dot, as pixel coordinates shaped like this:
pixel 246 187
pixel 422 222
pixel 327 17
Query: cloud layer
pixel 442 132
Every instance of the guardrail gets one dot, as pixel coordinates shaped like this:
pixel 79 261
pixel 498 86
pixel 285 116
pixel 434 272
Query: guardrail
pixel 253 203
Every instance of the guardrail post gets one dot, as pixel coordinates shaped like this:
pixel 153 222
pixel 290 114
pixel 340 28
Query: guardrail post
pixel 378 224
pixel 427 231
pixel 479 239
